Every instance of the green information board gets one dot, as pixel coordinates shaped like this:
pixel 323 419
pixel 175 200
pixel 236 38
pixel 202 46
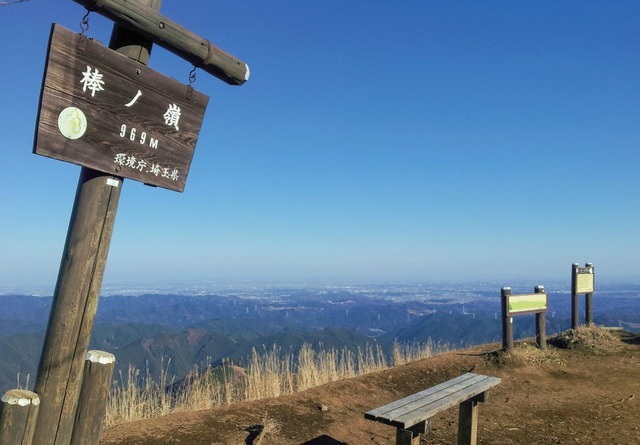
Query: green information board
pixel 519 304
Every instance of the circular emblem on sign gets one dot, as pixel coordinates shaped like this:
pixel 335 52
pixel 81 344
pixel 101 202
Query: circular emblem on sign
pixel 72 123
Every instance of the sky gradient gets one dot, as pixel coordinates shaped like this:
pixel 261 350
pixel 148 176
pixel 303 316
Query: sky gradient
pixel 374 140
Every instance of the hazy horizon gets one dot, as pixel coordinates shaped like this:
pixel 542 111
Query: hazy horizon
pixel 263 285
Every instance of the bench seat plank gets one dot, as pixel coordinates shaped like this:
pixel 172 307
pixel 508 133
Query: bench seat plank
pixel 387 410
pixel 405 413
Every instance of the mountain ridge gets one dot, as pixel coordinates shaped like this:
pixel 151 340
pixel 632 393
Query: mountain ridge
pixel 234 324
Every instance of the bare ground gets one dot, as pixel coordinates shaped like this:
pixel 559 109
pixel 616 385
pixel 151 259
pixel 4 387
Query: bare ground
pixel 576 394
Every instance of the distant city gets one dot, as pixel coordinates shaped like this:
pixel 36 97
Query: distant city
pixel 144 325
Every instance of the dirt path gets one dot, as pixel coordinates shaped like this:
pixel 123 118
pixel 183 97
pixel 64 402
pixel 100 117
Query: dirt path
pixel 577 396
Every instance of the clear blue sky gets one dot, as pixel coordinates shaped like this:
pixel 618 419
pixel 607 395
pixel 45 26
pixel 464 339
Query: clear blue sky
pixel 418 140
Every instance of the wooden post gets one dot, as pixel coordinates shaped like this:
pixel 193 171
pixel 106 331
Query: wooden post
pixel 411 436
pixel 507 320
pixel 541 323
pixel 96 380
pixel 75 299
pixel 588 305
pixel 74 305
pixel 18 414
pixel 468 422
pixel 574 296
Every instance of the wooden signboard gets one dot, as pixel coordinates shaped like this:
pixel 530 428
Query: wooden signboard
pixel 582 282
pixel 511 305
pixel 527 303
pixel 104 111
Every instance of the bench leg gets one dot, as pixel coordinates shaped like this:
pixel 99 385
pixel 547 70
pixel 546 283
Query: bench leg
pixel 468 422
pixel 411 436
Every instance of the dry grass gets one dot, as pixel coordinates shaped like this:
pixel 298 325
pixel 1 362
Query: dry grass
pixel 19 384
pixel 270 373
pixel 270 426
pixel 410 352
pixel 594 338
pixel 526 355
pixel 138 397
pixel 267 431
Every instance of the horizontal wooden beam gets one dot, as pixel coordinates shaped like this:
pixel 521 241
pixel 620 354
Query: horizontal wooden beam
pixel 173 37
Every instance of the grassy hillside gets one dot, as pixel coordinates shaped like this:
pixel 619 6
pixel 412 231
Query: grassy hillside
pixel 583 390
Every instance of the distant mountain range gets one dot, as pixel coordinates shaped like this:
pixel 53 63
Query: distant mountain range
pixel 144 331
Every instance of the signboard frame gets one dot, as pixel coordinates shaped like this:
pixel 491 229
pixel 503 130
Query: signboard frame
pixel 522 304
pixel 582 282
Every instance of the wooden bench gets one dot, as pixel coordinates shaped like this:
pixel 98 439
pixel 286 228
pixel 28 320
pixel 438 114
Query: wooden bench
pixel 412 415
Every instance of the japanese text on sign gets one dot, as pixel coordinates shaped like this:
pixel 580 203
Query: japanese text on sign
pixel 107 112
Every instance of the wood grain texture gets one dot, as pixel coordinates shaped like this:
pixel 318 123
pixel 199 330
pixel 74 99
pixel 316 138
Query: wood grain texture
pixel 173 37
pixel 133 141
pixel 75 302
pixel 411 410
pixel 75 298
pixel 92 405
pixel 18 414
pixel 468 423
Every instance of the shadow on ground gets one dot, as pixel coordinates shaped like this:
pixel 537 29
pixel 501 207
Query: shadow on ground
pixel 324 440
